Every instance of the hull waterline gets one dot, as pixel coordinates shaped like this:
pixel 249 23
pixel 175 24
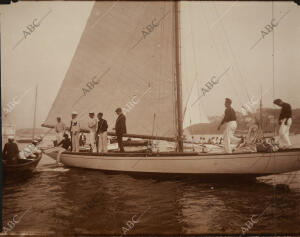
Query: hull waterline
pixel 257 164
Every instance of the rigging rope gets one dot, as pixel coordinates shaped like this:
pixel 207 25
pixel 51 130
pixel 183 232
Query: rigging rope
pixel 235 90
pixel 231 50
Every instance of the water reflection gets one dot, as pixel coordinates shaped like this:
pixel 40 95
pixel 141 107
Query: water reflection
pixel 70 201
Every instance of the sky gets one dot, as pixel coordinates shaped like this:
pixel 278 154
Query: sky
pixel 215 36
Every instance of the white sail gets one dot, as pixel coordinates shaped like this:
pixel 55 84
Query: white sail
pixel 125 58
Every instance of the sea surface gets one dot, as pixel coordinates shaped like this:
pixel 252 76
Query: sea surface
pixel 71 201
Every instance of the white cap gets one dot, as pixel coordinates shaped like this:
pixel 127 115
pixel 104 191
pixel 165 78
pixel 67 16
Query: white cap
pixel 11 137
pixel 91 112
pixel 74 112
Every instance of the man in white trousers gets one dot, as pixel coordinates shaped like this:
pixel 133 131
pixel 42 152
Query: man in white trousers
pixel 92 124
pixel 230 126
pixel 285 122
pixel 74 130
pixel 102 133
pixel 60 129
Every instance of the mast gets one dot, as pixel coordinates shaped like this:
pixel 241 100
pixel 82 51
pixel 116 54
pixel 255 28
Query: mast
pixel 34 118
pixel 260 110
pixel 178 78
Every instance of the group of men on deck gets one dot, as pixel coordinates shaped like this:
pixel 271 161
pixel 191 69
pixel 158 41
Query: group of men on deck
pixel 97 132
pixel 230 121
pixel 98 128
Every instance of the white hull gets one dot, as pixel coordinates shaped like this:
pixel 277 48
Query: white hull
pixel 192 163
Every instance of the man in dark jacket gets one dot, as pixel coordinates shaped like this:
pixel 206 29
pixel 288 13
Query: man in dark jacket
pixel 66 142
pixel 120 128
pixel 10 151
pixel 101 134
pixel 285 122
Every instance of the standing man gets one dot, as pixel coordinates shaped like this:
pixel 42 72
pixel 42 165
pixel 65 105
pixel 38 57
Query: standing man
pixel 230 126
pixel 74 130
pixel 92 124
pixel 102 133
pixel 120 128
pixel 60 129
pixel 10 151
pixel 285 122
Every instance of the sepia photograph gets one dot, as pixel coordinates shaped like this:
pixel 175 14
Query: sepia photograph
pixel 156 118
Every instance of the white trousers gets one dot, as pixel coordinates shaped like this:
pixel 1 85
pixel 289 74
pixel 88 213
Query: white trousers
pixel 93 141
pixel 102 145
pixel 229 138
pixel 59 137
pixel 60 150
pixel 75 142
pixel 284 133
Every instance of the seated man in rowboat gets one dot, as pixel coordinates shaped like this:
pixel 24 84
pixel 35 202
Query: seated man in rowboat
pixel 30 151
pixel 231 125
pixel 10 151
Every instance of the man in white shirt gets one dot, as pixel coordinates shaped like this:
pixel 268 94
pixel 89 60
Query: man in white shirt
pixel 92 124
pixel 60 129
pixel 30 151
pixel 75 129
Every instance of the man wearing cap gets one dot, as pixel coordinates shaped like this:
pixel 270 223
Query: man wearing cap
pixel 74 130
pixel 230 126
pixel 285 122
pixel 92 124
pixel 120 128
pixel 60 129
pixel 102 133
pixel 10 151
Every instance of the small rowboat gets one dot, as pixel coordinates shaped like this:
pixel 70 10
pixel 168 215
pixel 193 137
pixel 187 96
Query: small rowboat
pixel 24 167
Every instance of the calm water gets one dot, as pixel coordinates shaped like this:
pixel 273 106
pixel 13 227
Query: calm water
pixel 58 200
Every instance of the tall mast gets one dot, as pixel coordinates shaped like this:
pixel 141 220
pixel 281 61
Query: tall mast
pixel 34 118
pixel 260 110
pixel 178 78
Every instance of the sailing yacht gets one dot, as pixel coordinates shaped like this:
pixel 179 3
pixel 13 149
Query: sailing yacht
pixel 132 50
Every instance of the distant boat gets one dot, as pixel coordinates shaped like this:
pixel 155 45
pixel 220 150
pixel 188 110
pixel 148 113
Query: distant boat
pixel 23 168
pixel 133 53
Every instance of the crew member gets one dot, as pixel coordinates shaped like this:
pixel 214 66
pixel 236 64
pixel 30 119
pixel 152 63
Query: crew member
pixel 92 124
pixel 120 128
pixel 102 133
pixel 65 143
pixel 82 139
pixel 75 129
pixel 10 151
pixel 60 129
pixel 285 122
pixel 31 151
pixel 230 126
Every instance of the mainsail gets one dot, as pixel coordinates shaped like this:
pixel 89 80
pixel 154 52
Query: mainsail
pixel 125 58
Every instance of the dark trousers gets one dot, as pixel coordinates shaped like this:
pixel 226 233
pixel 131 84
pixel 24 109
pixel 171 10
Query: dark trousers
pixel 120 142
